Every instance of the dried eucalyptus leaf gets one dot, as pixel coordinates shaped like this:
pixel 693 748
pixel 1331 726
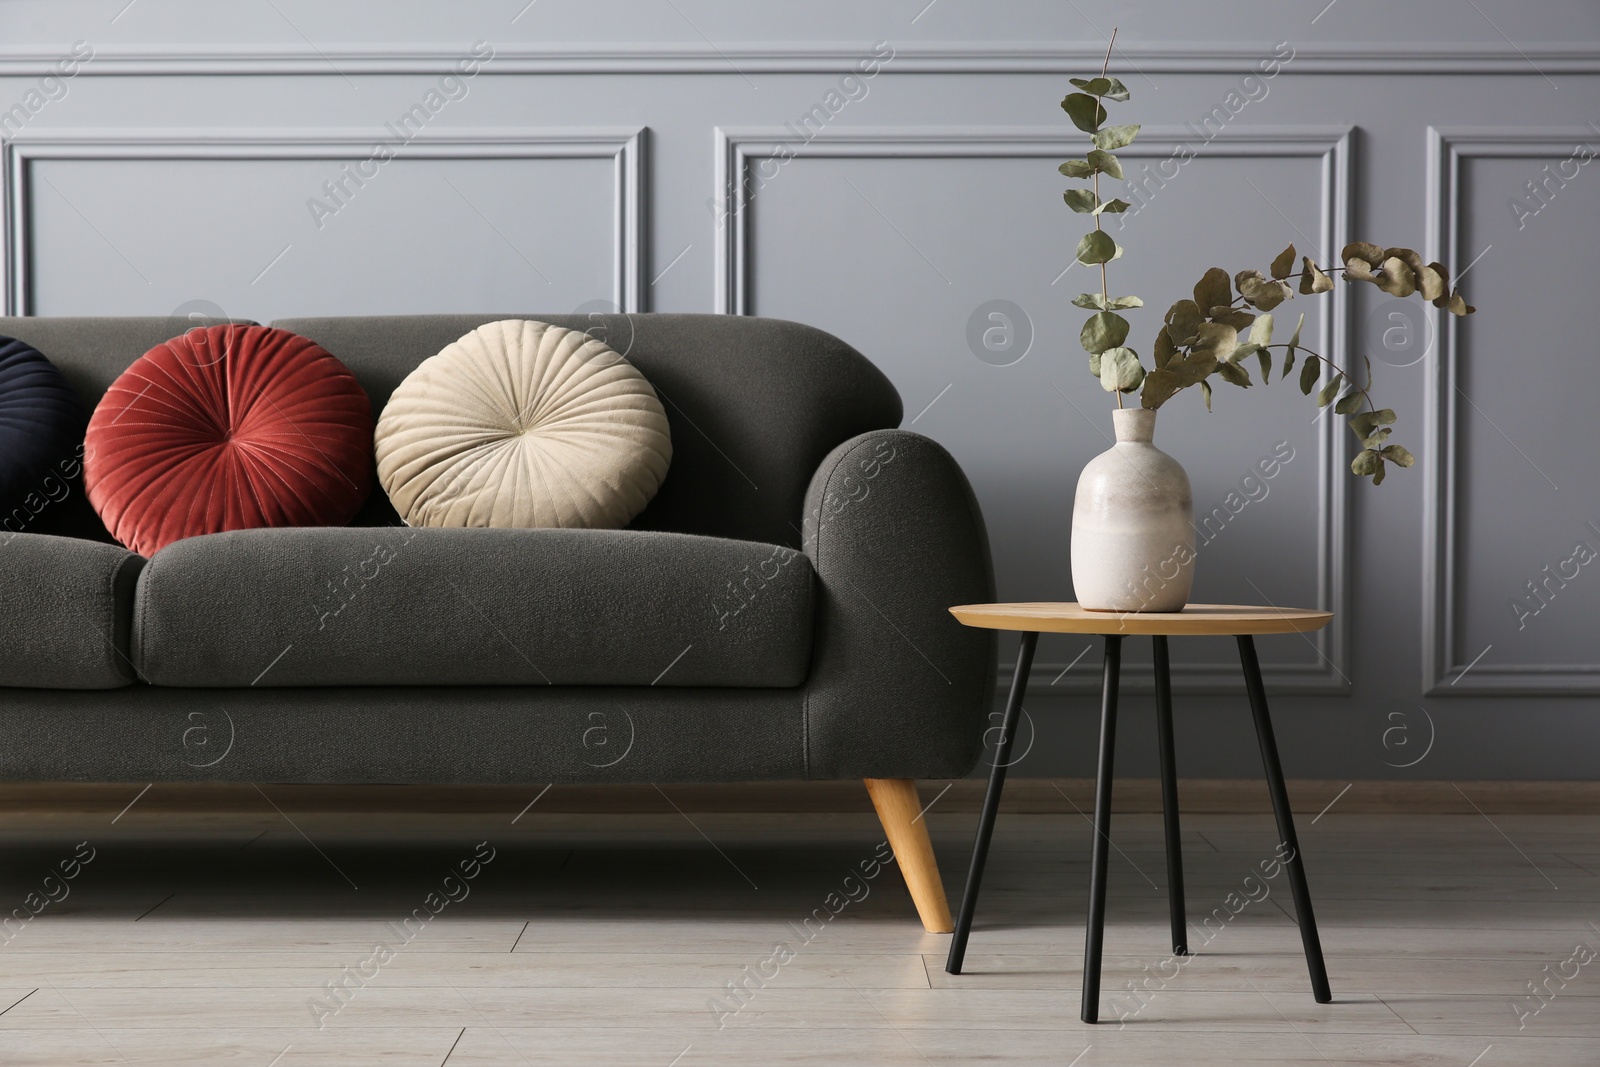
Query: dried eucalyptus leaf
pixel 1234 374
pixel 1294 339
pixel 1399 455
pixel 1084 111
pixel 1458 306
pixel 1362 250
pixel 1213 290
pixel 1376 438
pixel 1105 163
pixel 1120 370
pixel 1081 200
pixel 1264 357
pixel 1158 387
pixel 1259 291
pixel 1215 341
pixel 1165 350
pixel 1183 322
pixel 1443 272
pixel 1430 284
pixel 1360 269
pixel 1096 247
pixel 1117 92
pixel 1366 462
pixel 1238 318
pixel 1377 475
pixel 1092 301
pixel 1104 330
pixel 1348 404
pixel 1114 206
pixel 1077 168
pixel 1308 374
pixel 1284 263
pixel 1205 391
pixel 1397 278
pixel 1094 364
pixel 1246 349
pixel 1092 86
pixel 1288 364
pixel 1261 330
pixel 1327 392
pixel 1114 137
pixel 1119 303
pixel 1312 280
pixel 1406 256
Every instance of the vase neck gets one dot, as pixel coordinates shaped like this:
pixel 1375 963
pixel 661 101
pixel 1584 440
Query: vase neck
pixel 1134 424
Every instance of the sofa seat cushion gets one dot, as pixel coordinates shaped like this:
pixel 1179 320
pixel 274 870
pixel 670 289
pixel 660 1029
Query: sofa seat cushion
pixel 66 607
pixel 422 606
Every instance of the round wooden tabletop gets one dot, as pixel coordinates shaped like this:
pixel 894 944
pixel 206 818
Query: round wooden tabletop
pixel 1069 618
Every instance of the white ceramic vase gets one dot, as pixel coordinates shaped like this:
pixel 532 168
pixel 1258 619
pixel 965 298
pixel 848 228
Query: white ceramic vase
pixel 1133 524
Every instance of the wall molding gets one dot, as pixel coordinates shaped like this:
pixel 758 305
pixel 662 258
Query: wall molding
pixel 1443 673
pixel 735 58
pixel 625 147
pixel 1330 146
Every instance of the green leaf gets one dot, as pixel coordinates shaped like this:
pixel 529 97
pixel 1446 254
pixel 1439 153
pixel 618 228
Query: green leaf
pixel 1284 263
pixel 1377 438
pixel 1121 302
pixel 1077 168
pixel 1159 385
pixel 1265 359
pixel 1312 280
pixel 1398 279
pixel 1205 390
pixel 1366 462
pixel 1092 301
pixel 1096 247
pixel 1398 455
pixel 1104 330
pixel 1106 163
pixel 1183 322
pixel 1288 364
pixel 1117 92
pixel 1094 364
pixel 1093 86
pixel 1261 330
pixel 1368 421
pixel 1214 340
pixel 1084 111
pixel 1120 370
pixel 1114 137
pixel 1308 374
pixel 1234 374
pixel 1327 392
pixel 1116 207
pixel 1349 403
pixel 1082 201
pixel 1213 289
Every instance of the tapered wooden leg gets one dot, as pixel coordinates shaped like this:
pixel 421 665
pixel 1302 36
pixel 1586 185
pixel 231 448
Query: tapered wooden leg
pixel 900 812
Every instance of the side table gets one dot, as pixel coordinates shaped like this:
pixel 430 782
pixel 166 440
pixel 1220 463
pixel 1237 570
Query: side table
pixel 1240 622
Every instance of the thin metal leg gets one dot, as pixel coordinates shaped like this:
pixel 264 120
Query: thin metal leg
pixel 991 804
pixel 1280 808
pixel 1169 797
pixel 1094 938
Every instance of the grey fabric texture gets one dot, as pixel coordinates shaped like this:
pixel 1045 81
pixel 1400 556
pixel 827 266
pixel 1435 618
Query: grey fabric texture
pixel 898 688
pixel 92 353
pixel 65 610
pixel 397 606
pixel 483 736
pixel 754 404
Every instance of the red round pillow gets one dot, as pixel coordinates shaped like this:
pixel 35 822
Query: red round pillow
pixel 228 428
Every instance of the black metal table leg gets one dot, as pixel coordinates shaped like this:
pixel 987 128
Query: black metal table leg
pixel 1169 797
pixel 1094 936
pixel 991 803
pixel 1280 808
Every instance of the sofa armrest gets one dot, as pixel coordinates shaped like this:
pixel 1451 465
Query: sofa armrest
pixel 898 688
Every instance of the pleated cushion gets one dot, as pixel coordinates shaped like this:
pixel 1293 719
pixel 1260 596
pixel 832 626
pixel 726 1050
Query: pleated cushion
pixel 228 428
pixel 41 427
pixel 523 424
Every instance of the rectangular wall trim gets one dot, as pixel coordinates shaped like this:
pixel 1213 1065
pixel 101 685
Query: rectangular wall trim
pixel 1330 147
pixel 623 146
pixel 1443 672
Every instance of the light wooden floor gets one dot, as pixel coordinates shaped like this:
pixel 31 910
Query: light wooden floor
pixel 604 939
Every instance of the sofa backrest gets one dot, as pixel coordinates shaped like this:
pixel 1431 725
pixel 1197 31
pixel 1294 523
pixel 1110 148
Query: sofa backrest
pixel 754 404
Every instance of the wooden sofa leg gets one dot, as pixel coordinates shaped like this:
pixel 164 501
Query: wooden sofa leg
pixel 898 810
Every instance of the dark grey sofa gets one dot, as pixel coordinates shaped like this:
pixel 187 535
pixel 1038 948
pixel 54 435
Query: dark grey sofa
pixel 777 612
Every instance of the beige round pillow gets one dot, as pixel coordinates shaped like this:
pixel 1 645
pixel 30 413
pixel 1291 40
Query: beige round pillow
pixel 521 423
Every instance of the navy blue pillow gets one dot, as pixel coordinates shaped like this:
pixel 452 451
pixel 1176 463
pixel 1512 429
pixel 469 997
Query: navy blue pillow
pixel 42 423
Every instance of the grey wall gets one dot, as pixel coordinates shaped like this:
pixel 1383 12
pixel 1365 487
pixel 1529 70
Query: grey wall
pixel 583 166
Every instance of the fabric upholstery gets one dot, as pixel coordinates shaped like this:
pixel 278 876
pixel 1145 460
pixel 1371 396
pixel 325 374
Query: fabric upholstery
pixel 65 611
pixel 228 428
pixel 353 607
pixel 754 404
pixel 91 353
pixel 523 424
pixel 41 427
pixel 532 735
pixel 897 688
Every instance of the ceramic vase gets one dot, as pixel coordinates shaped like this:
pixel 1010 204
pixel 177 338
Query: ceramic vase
pixel 1133 524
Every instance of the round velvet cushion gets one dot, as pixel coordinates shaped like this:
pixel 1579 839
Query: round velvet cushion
pixel 521 423
pixel 228 428
pixel 41 427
